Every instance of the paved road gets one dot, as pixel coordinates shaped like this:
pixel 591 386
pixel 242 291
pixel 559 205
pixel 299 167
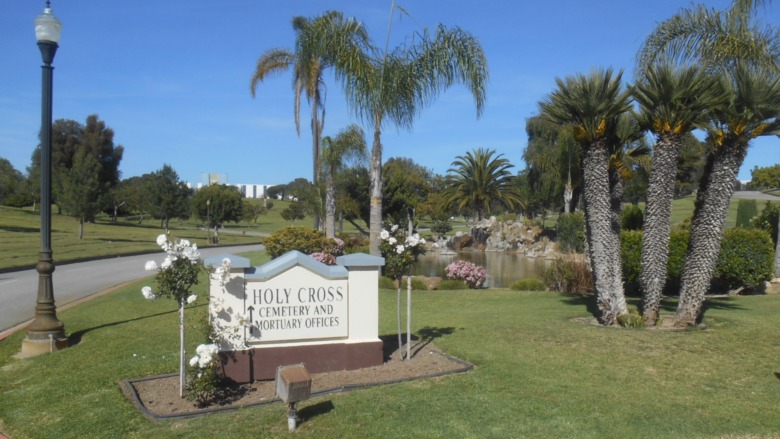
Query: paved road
pixel 755 195
pixel 72 282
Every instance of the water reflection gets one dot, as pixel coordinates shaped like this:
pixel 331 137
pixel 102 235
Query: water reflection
pixel 502 268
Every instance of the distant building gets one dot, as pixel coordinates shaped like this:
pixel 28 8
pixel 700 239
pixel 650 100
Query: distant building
pixel 254 190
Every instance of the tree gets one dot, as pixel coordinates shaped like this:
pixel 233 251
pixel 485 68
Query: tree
pixel 405 187
pixel 397 85
pixel 12 183
pixel 479 180
pixel 751 110
pixel 295 211
pixel 552 167
pixel 217 204
pixel 703 36
pixel 593 104
pixel 252 209
pixel 320 43
pixel 353 197
pixel 673 101
pixel 349 145
pixel 765 177
pixel 690 165
pixel 81 189
pixel 166 197
pixel 69 138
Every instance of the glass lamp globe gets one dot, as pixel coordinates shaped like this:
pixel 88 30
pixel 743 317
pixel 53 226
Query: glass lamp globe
pixel 47 26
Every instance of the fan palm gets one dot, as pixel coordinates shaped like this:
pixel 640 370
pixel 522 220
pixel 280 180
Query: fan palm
pixel 702 35
pixel 397 86
pixel 673 101
pixel 752 109
pixel 326 41
pixel 349 144
pixel 593 104
pixel 475 181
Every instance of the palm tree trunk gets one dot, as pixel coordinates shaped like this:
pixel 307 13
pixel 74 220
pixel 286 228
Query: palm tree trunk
pixel 330 204
pixel 316 129
pixel 655 241
pixel 712 203
pixel 777 249
pixel 603 247
pixel 375 173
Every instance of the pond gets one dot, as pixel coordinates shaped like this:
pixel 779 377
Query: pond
pixel 502 268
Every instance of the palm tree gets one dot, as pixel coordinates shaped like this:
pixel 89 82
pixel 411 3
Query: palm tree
pixel 349 144
pixel 716 39
pixel 593 104
pixel 673 101
pixel 752 109
pixel 475 181
pixel 397 86
pixel 323 42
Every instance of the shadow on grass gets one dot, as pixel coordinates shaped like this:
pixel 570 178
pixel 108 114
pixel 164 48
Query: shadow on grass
pixel 589 302
pixel 75 338
pixel 21 229
pixel 423 338
pixel 310 412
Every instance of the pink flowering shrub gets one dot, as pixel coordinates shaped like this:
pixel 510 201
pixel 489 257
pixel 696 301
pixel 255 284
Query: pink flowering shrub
pixel 473 274
pixel 325 258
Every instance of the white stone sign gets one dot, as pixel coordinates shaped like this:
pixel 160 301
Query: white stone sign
pixel 298 304
pixel 295 309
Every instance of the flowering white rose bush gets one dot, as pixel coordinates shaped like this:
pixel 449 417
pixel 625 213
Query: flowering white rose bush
pixel 203 380
pixel 176 276
pixel 398 261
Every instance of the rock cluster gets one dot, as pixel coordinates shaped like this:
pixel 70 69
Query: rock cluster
pixel 496 236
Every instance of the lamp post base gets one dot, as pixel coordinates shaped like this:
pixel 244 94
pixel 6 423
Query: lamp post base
pixel 32 347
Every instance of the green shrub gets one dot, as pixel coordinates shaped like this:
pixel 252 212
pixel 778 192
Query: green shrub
pixel 441 227
pixel 529 284
pixel 631 256
pixel 507 217
pixel 746 258
pixel 633 319
pixel 567 275
pixel 767 220
pixel 387 283
pixel 632 218
pixel 746 210
pixel 452 284
pixel 571 232
pixel 418 284
pixel 304 239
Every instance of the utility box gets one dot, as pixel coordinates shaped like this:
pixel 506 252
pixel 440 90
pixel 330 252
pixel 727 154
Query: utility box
pixel 293 383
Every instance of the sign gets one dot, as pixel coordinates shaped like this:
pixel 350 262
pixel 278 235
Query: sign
pixel 297 305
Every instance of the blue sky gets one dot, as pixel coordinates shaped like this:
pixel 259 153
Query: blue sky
pixel 171 77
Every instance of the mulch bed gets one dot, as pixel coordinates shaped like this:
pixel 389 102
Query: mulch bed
pixel 158 396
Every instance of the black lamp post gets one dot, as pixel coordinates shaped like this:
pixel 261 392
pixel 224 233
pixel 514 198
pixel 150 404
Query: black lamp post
pixel 45 333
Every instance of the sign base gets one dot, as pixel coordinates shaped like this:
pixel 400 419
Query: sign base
pixel 260 363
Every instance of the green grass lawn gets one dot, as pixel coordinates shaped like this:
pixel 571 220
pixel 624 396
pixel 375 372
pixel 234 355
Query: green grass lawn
pixel 541 372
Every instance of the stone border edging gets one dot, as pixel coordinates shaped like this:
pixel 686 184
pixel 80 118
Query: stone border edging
pixel 136 400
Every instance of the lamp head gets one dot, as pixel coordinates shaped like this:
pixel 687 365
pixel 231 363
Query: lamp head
pixel 47 26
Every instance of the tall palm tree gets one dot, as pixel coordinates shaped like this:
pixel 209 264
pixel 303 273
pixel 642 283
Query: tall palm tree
pixel 752 109
pixel 326 41
pixel 476 181
pixel 398 85
pixel 349 144
pixel 716 39
pixel 593 104
pixel 673 102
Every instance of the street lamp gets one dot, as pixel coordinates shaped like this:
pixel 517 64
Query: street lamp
pixel 208 217
pixel 45 333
